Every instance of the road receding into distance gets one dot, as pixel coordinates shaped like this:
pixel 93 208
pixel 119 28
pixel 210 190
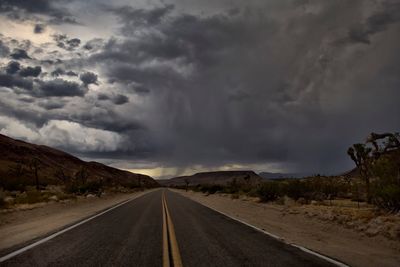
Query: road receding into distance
pixel 162 228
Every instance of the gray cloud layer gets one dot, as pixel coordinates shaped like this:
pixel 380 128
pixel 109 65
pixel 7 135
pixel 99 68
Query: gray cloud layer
pixel 291 83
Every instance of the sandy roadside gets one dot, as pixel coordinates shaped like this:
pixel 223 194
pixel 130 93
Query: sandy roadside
pixel 327 238
pixel 24 225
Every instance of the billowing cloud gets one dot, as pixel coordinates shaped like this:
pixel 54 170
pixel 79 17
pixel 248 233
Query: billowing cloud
pixel 19 54
pixel 30 71
pixel 13 67
pixel 289 84
pixel 59 87
pixel 116 99
pixel 24 10
pixel 4 50
pixel 66 43
pixel 39 28
pixel 88 78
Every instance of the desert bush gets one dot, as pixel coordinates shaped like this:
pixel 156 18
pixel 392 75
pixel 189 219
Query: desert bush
pixel 210 189
pixel 33 196
pixel 88 187
pixel 296 189
pixel 387 197
pixel 12 184
pixel 269 191
pixel 386 186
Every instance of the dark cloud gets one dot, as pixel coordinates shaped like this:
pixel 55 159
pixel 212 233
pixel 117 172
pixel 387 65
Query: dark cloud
pixel 71 73
pixel 260 79
pixel 64 42
pixel 19 54
pixel 57 72
pixel 30 71
pixel 377 22
pixel 269 82
pixel 4 50
pixel 133 17
pixel 59 87
pixel 23 10
pixel 52 104
pixel 13 67
pixel 39 28
pixel 13 81
pixel 141 89
pixel 93 44
pixel 88 78
pixel 60 71
pixel 103 97
pixel 116 99
pixel 120 99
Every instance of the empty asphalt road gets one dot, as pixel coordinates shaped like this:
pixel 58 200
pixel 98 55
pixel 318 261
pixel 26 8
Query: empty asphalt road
pixel 163 228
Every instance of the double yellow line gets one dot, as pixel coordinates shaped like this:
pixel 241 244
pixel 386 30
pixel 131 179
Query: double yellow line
pixel 171 254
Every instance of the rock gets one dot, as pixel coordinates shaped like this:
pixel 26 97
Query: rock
pixel 302 201
pixel 9 200
pixel 53 198
pixel 90 196
pixel 372 231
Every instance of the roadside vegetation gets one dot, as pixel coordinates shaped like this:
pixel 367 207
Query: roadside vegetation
pixel 29 188
pixel 374 182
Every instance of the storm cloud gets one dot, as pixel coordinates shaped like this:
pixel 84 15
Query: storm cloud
pixel 268 85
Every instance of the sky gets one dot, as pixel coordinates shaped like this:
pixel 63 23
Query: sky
pixel 173 87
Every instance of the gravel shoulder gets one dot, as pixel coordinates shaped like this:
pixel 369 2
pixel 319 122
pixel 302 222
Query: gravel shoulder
pixel 324 236
pixel 29 222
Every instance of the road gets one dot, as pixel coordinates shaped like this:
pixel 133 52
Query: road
pixel 163 228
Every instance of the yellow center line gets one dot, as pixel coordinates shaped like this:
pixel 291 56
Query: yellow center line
pixel 166 259
pixel 170 245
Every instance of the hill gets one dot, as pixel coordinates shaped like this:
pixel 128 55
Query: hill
pixel 19 160
pixel 217 178
pixel 278 175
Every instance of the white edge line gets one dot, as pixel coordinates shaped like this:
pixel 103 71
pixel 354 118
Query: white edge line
pixel 41 241
pixel 337 263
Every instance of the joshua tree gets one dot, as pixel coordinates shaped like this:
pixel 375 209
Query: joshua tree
pixel 35 166
pixel 360 154
pixel 364 156
pixel 392 142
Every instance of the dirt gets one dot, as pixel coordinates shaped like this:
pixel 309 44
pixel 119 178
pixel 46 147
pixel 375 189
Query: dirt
pixel 30 221
pixel 312 227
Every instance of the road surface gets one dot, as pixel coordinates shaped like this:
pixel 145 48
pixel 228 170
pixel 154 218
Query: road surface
pixel 163 228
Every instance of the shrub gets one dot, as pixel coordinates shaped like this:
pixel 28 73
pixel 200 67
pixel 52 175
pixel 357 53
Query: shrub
pixel 296 189
pixel 387 197
pixel 89 187
pixel 30 197
pixel 269 191
pixel 211 189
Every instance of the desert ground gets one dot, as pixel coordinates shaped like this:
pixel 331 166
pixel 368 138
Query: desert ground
pixel 372 241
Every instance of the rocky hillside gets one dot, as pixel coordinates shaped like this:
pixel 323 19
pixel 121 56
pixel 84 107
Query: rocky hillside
pixel 218 178
pixel 19 160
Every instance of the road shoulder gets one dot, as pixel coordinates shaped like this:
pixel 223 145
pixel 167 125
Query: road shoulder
pixel 326 238
pixel 21 227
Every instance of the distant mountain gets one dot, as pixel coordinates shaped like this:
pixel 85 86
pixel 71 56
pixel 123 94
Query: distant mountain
pixel 278 175
pixel 217 177
pixel 54 166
